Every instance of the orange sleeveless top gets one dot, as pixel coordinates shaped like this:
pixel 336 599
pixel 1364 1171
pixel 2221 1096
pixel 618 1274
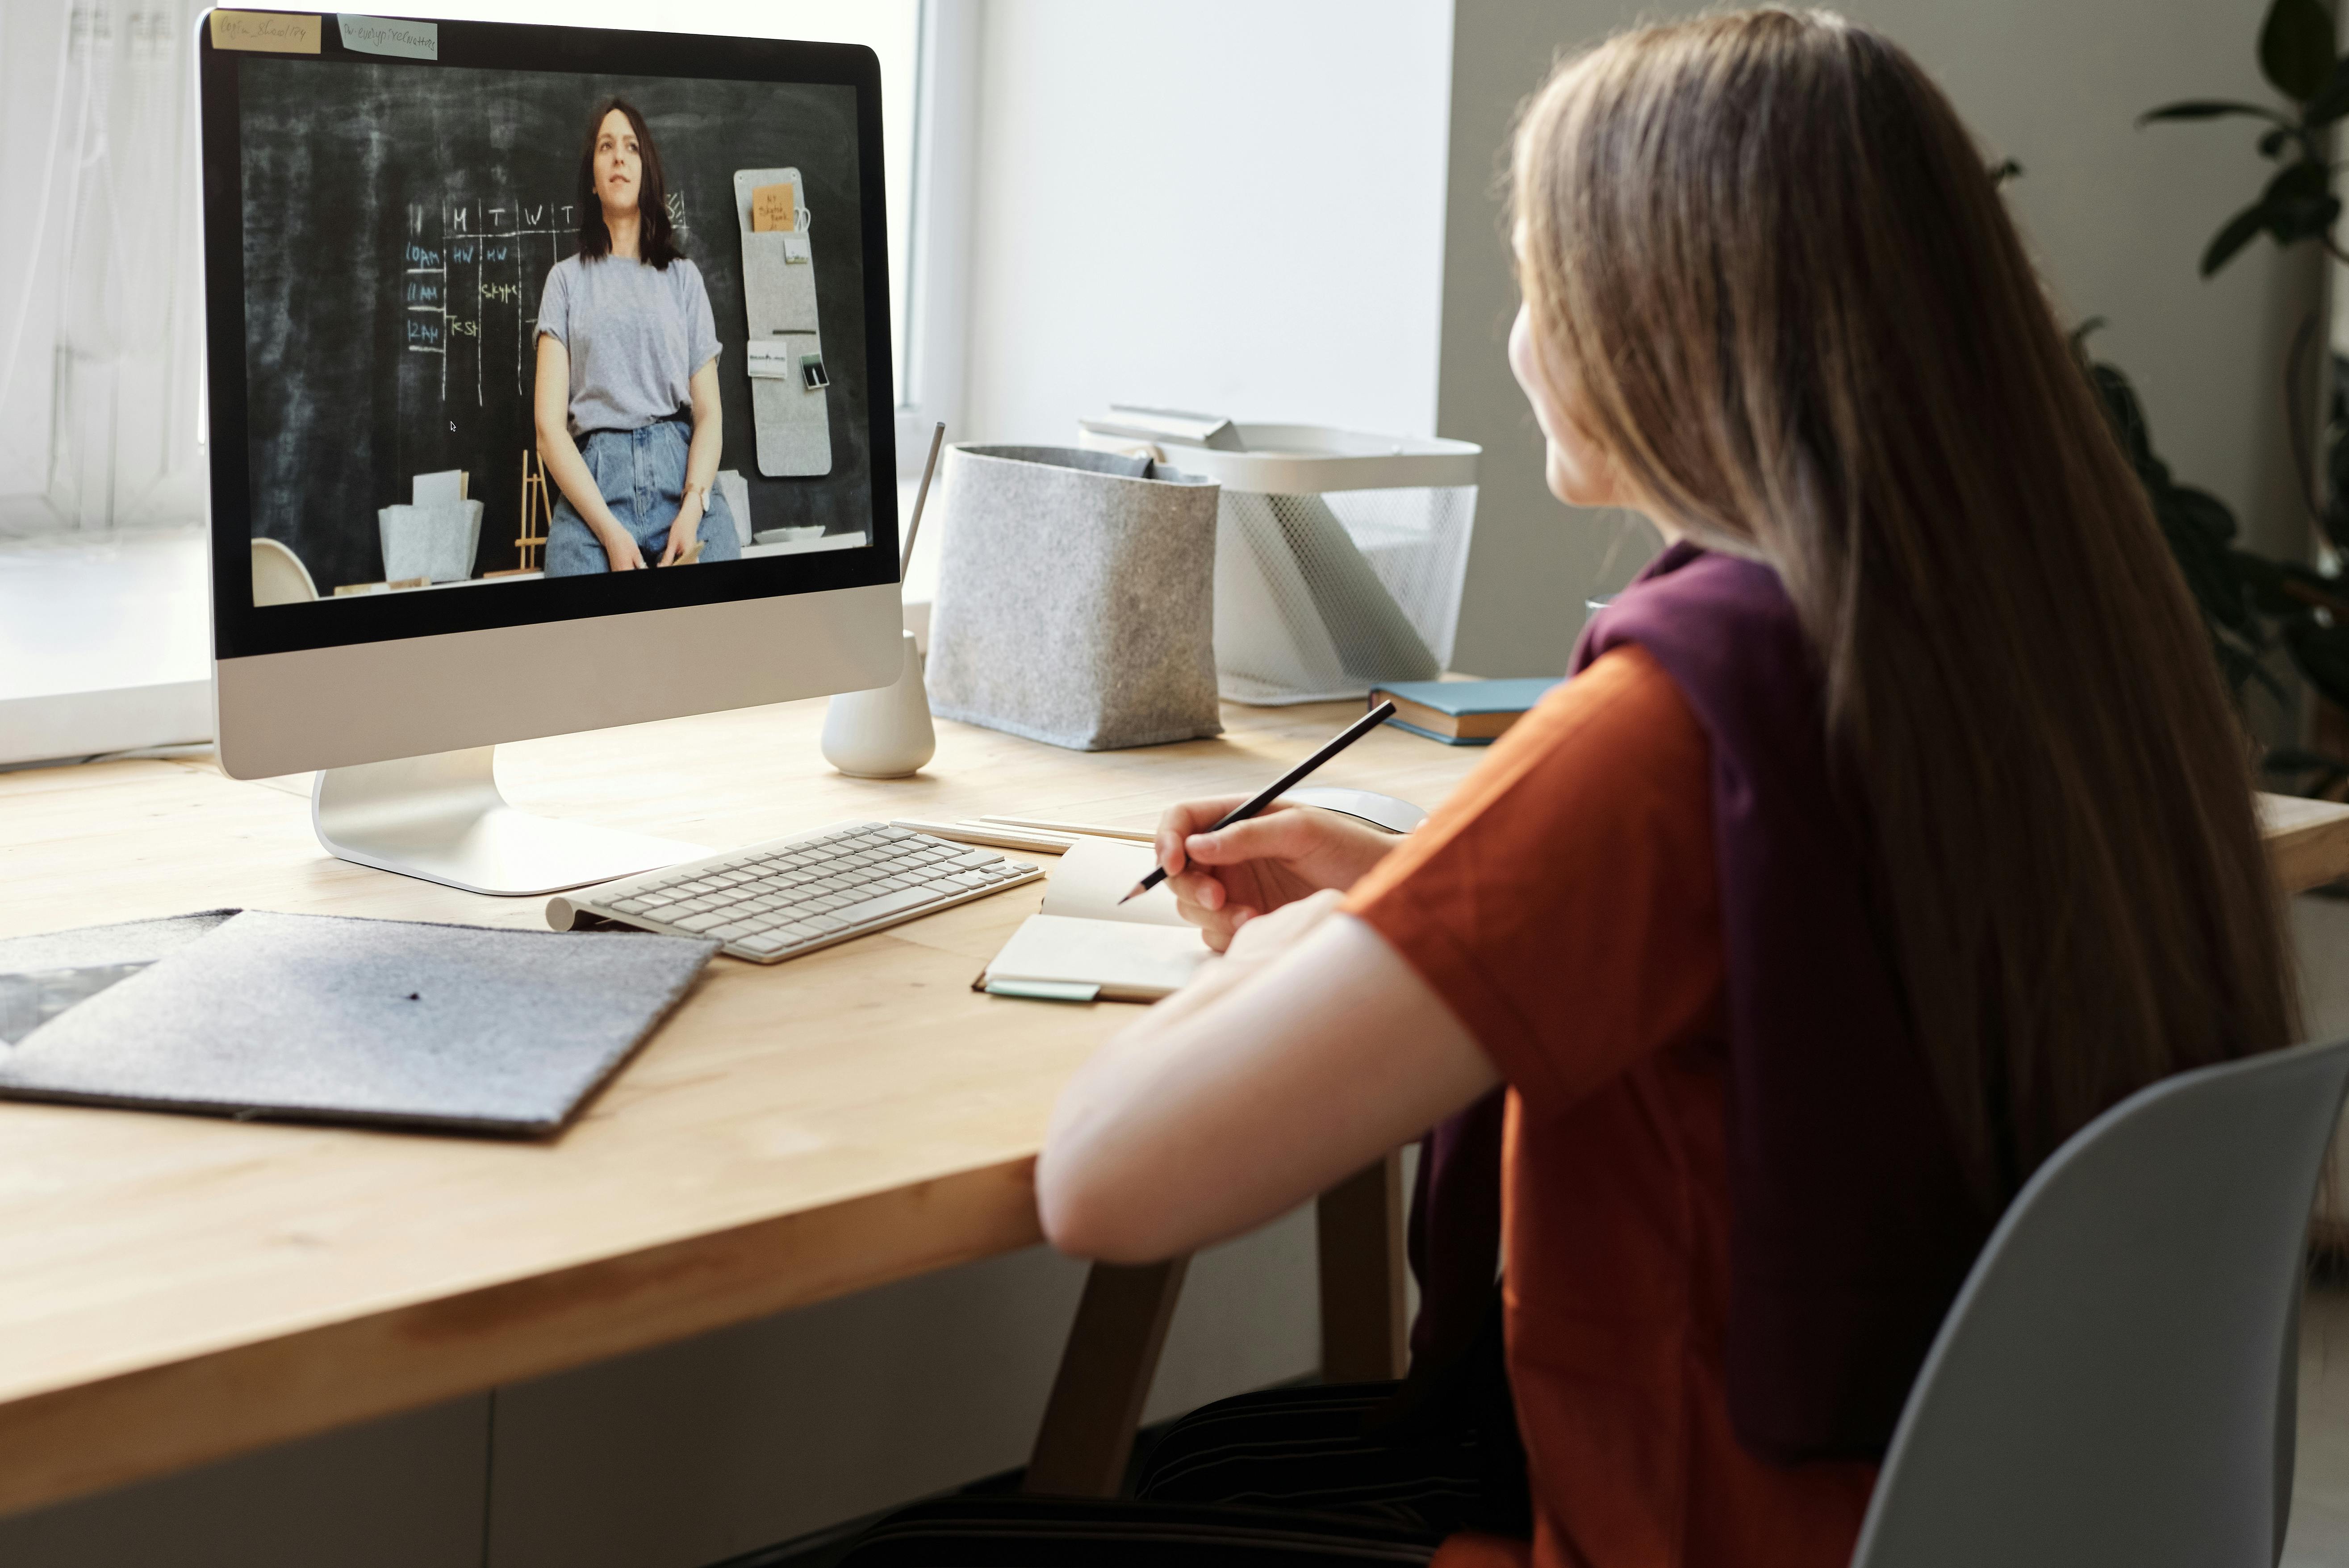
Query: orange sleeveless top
pixel 1563 904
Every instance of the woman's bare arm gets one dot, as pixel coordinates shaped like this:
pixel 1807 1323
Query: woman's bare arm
pixel 1309 1052
pixel 700 462
pixel 550 405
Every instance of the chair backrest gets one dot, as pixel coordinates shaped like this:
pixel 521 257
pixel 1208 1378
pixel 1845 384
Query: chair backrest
pixel 279 578
pixel 2104 1390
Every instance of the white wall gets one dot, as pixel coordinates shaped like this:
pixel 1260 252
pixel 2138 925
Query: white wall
pixel 1216 204
pixel 2118 217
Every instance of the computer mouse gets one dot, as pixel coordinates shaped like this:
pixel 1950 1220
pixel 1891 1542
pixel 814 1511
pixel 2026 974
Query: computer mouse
pixel 1378 810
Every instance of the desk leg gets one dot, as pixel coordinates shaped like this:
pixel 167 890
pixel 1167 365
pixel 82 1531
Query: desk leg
pixel 1105 1372
pixel 1360 1223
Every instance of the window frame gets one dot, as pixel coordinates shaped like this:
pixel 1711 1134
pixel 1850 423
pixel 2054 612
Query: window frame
pixel 938 225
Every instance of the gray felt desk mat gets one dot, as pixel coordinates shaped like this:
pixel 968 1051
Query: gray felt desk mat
pixel 132 942
pixel 321 1018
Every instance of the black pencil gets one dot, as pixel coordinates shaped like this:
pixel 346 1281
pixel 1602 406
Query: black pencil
pixel 1282 785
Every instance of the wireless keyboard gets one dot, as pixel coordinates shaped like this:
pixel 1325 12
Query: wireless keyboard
pixel 791 896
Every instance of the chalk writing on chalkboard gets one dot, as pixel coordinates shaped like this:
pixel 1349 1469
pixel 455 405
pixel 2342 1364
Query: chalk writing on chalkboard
pixel 469 259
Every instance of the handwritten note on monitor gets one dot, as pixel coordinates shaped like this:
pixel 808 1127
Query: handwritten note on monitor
pixel 267 32
pixel 772 209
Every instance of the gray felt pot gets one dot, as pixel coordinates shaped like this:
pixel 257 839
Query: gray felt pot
pixel 1076 598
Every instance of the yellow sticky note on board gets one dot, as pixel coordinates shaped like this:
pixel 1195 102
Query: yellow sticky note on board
pixel 266 32
pixel 774 209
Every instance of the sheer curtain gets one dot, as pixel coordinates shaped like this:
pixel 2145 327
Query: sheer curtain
pixel 101 304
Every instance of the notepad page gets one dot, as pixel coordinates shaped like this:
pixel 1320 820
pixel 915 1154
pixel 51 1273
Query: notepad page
pixel 1128 961
pixel 1094 875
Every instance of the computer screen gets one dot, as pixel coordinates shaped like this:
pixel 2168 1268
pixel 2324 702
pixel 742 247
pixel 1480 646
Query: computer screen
pixel 516 324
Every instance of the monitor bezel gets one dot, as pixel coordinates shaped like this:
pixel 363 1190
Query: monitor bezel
pixel 241 628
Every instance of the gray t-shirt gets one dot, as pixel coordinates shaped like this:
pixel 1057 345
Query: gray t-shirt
pixel 636 334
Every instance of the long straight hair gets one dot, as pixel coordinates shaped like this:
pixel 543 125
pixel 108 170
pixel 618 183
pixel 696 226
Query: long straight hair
pixel 1766 254
pixel 656 237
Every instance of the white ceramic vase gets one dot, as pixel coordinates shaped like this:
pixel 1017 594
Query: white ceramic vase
pixel 884 733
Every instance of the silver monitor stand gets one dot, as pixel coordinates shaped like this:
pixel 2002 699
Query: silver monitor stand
pixel 440 817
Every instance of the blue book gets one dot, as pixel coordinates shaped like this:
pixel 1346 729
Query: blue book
pixel 1461 713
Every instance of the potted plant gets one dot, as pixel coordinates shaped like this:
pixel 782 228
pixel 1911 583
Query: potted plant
pixel 2257 609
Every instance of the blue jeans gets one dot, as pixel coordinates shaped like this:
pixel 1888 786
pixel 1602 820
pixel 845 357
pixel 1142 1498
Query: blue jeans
pixel 641 476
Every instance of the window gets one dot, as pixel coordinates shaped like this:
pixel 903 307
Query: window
pixel 101 311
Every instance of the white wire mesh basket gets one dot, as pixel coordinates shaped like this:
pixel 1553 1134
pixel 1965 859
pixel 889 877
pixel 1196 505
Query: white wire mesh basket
pixel 1340 556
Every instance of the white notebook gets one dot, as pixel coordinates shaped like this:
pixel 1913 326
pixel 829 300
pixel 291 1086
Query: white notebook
pixel 1087 947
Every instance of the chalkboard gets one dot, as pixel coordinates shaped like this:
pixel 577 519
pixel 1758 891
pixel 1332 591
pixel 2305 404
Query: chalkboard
pixel 400 222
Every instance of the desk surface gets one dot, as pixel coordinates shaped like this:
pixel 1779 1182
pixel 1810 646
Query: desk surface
pixel 177 1289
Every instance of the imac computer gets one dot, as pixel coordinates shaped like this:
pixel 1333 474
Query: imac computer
pixel 549 391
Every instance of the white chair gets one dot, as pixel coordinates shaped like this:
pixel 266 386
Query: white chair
pixel 279 578
pixel 2104 1390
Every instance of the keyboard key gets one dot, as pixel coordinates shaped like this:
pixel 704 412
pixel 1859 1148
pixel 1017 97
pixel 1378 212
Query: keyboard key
pixel 699 924
pixel 888 904
pixel 734 932
pixel 632 906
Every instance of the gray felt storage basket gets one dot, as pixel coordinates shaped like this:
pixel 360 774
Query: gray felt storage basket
pixel 1076 598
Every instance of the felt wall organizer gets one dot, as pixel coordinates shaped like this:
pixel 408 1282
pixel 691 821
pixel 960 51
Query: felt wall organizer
pixel 790 412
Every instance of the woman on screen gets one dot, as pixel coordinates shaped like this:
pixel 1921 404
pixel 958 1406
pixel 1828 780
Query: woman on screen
pixel 628 411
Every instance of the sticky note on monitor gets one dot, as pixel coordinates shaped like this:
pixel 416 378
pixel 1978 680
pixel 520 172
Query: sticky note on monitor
pixel 269 32
pixel 774 208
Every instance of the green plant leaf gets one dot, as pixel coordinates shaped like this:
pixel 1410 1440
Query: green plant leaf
pixel 2205 511
pixel 2299 202
pixel 2332 102
pixel 2322 654
pixel 2209 108
pixel 2296 48
pixel 2239 231
pixel 2265 579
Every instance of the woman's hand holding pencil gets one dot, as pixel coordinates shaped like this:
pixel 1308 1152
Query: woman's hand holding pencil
pixel 1223 879
pixel 1262 854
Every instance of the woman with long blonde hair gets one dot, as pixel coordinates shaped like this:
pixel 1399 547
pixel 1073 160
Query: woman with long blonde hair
pixel 1893 825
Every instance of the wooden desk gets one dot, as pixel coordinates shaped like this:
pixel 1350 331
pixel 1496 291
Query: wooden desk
pixel 175 1289
pixel 2308 840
